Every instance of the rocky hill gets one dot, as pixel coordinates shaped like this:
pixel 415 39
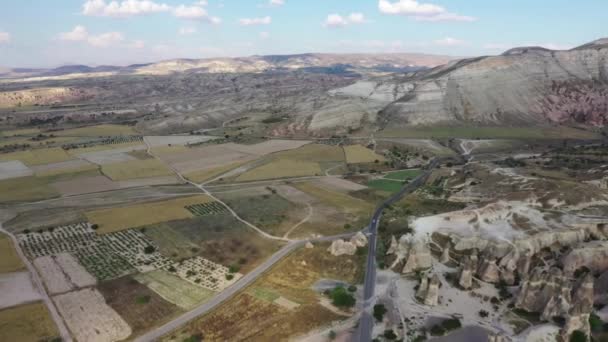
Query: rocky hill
pixel 527 85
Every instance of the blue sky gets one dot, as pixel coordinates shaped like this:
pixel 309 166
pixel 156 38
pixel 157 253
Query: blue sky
pixel 37 33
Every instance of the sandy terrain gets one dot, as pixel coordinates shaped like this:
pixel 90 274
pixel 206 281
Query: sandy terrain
pixel 157 141
pixel 14 169
pixel 90 318
pixel 17 288
pixel 341 184
pixel 84 185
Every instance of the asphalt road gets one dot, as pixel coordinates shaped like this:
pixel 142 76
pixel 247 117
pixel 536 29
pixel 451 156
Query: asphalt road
pixel 232 290
pixel 366 324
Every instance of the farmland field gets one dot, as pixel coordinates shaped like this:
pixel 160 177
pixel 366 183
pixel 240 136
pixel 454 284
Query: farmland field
pixel 71 166
pixel 141 307
pixel 173 289
pixel 17 288
pixel 14 169
pixel 15 132
pixel 136 169
pixel 89 318
pixel 403 174
pixel 207 174
pixel 220 238
pixel 9 259
pixel 25 189
pixel 38 156
pixel 356 154
pixel 116 219
pixel 97 131
pixel 339 200
pixel 204 209
pixel 30 322
pixel 281 168
pixel 385 185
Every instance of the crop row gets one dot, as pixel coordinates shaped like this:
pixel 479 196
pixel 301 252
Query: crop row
pixel 205 209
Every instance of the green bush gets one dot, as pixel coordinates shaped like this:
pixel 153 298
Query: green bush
pixel 597 325
pixel 437 330
pixel 341 298
pixel 578 336
pixel 379 311
pixel 390 335
pixel 451 324
pixel 143 299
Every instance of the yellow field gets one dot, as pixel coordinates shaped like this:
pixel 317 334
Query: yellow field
pixel 357 154
pixel 136 169
pixel 9 260
pixel 314 152
pixel 38 156
pixel 162 150
pixel 117 219
pixel 25 189
pixel 97 131
pixel 281 168
pixel 204 175
pixel 105 147
pixel 25 131
pixel 30 322
pixel 347 203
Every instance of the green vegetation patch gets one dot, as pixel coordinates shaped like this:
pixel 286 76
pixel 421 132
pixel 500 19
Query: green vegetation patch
pixel 404 174
pixel 340 297
pixel 386 185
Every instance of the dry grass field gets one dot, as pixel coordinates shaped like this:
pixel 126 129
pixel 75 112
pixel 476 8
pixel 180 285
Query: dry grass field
pixel 30 322
pixel 38 156
pixel 281 168
pixel 9 259
pixel 141 307
pixel 164 150
pixel 71 166
pixel 136 169
pixel 173 289
pixel 259 314
pixel 97 131
pixel 117 219
pixel 207 174
pixel 357 154
pixel 314 152
pixel 345 202
pixel 25 189
pixel 15 132
pixel 107 147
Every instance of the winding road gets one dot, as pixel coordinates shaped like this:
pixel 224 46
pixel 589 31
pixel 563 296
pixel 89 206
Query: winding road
pixel 366 324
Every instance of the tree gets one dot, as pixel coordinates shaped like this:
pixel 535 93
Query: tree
pixel 332 335
pixel 390 335
pixel 578 336
pixel 95 226
pixel 379 311
pixel 341 298
pixel 149 249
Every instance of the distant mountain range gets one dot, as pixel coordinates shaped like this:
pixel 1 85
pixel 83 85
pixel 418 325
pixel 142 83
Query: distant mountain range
pixel 338 62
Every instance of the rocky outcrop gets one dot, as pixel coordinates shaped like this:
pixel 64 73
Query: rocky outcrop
pixel 445 256
pixel 578 316
pixel 414 251
pixel 489 271
pixel 341 247
pixel 428 290
pixel 543 288
pixel 592 255
pixel 466 273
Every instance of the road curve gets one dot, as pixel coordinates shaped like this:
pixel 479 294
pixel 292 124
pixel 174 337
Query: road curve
pixel 366 324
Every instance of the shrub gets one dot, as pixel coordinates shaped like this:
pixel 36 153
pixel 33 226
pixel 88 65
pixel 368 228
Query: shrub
pixel 437 330
pixel 390 335
pixel 149 249
pixel 352 288
pixel 234 268
pixel 194 338
pixel 578 336
pixel 451 324
pixel 143 299
pixel 596 323
pixel 379 311
pixel 229 276
pixel 341 298
pixel 332 335
pixel 483 313
pixel 95 226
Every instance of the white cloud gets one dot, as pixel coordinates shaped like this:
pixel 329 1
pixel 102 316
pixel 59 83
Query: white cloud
pixel 276 2
pixel 264 35
pixel 187 30
pixel 336 20
pixel 80 34
pixel 5 37
pixel 195 13
pixel 255 21
pixel 449 41
pixel 125 8
pixel 420 11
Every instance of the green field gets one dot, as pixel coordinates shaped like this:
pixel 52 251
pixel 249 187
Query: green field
pixel 403 174
pixel 385 185
pixel 444 132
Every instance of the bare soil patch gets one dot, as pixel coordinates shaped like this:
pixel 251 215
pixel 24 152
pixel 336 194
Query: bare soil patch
pixel 14 169
pixel 84 185
pixel 89 318
pixel 17 288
